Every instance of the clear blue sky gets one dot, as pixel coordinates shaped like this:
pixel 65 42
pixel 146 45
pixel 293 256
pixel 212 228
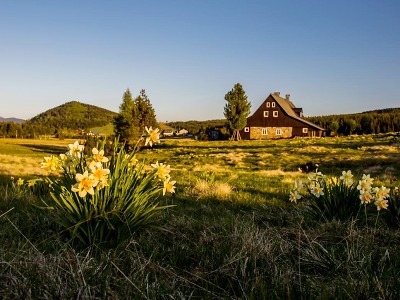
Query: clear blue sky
pixel 333 57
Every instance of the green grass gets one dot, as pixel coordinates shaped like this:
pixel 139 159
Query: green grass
pixel 249 243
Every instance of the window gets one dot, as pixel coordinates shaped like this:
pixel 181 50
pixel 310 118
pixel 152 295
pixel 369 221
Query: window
pixel 264 131
pixel 275 113
pixel 278 131
pixel 246 129
pixel 305 130
pixel 266 113
pixel 268 104
pixel 273 104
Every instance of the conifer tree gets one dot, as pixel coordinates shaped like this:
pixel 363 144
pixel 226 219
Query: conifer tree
pixel 146 115
pixel 236 110
pixel 125 123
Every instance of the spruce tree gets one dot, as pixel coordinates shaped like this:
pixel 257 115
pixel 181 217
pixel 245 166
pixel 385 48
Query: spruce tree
pixel 236 110
pixel 146 115
pixel 125 123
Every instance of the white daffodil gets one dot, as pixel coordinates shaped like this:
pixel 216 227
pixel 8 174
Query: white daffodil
pixel 153 136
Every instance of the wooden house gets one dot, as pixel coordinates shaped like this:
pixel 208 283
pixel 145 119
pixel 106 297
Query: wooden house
pixel 277 117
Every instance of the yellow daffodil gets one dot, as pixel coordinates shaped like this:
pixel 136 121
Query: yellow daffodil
pixel 169 186
pixel 364 185
pixel 153 136
pixel 366 196
pixel 316 190
pixel 313 176
pixel 381 203
pixel 133 161
pixel 20 181
pixel 334 180
pixel 367 178
pixel 162 170
pixel 31 183
pixel 85 184
pixel 99 174
pixel 347 177
pixel 381 193
pixel 51 163
pixel 98 156
pixel 75 149
pixel 294 196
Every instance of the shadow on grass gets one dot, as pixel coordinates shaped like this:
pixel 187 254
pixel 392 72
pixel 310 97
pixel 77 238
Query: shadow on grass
pixel 50 149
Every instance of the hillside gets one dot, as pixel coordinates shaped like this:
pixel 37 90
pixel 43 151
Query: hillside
pixel 73 115
pixel 14 120
pixel 384 110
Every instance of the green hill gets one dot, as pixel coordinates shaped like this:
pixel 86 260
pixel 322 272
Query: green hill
pixel 73 116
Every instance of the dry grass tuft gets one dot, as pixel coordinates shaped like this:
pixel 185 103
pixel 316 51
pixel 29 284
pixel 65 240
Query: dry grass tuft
pixel 20 166
pixel 219 190
pixel 209 168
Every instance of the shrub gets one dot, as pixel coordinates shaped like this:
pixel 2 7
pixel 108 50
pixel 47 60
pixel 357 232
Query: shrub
pixel 106 200
pixel 338 198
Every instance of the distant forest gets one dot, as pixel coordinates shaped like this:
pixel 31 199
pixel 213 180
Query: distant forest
pixel 377 121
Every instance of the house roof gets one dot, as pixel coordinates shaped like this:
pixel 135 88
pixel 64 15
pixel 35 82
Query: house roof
pixel 288 108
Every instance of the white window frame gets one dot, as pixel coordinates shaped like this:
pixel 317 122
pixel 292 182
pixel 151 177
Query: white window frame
pixel 305 130
pixel 268 104
pixel 275 113
pixel 266 113
pixel 264 131
pixel 278 131
pixel 246 129
pixel 273 104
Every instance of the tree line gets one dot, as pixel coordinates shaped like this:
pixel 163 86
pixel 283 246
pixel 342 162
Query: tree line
pixel 379 121
pixel 73 118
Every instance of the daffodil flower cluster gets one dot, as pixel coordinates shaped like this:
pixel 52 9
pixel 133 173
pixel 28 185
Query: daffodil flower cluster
pixel 92 173
pixel 316 183
pixel 21 182
pixel 369 193
pixel 101 199
pixel 162 173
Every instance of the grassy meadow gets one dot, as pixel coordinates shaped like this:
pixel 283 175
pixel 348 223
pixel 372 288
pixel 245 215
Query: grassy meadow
pixel 232 234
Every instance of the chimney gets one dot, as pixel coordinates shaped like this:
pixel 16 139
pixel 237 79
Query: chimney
pixel 277 93
pixel 287 97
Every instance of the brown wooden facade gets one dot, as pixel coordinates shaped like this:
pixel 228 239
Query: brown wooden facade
pixel 277 117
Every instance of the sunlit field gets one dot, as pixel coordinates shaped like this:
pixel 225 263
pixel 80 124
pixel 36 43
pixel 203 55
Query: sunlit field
pixel 232 233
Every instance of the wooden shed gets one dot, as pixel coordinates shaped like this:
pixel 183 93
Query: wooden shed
pixel 277 117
